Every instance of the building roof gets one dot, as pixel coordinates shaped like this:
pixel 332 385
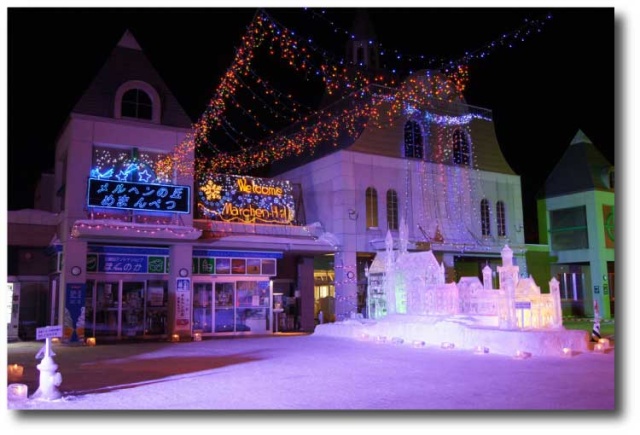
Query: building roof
pixel 386 138
pixel 128 62
pixel 581 168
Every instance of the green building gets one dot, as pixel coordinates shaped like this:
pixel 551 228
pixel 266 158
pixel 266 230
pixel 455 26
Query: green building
pixel 576 218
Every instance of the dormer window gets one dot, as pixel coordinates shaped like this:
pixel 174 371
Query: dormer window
pixel 136 104
pixel 413 140
pixel 137 100
pixel 461 154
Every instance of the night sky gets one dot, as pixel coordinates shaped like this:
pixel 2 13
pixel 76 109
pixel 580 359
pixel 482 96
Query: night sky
pixel 541 91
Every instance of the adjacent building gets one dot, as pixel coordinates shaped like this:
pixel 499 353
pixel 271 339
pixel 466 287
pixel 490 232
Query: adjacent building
pixel 576 217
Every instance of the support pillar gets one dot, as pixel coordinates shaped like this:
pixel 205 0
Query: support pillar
pixel 346 284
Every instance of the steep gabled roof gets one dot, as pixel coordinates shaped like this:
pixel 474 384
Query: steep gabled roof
pixel 387 139
pixel 581 168
pixel 128 62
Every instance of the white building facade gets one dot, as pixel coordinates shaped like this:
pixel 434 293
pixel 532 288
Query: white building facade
pixel 431 160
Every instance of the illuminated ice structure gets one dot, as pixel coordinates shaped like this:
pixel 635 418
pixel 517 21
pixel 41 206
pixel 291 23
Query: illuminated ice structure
pixel 409 301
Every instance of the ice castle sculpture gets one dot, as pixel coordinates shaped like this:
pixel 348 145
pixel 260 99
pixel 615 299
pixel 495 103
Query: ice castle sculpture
pixel 413 284
pixel 410 302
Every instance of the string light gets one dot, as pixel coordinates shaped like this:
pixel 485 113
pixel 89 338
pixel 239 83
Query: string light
pixel 361 103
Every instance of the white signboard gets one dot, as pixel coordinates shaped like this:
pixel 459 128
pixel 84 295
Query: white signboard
pixel 48 332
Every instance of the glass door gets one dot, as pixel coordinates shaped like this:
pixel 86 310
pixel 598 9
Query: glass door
pixel 203 307
pixel 133 309
pixel 156 308
pixel 253 306
pixel 89 307
pixel 107 306
pixel 224 308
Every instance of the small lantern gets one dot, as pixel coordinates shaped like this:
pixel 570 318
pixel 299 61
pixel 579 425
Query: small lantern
pixel 90 341
pixel 15 372
pixel 598 348
pixel 566 352
pixel 604 342
pixel 175 338
pixel 55 340
pixel 17 391
pixel 197 336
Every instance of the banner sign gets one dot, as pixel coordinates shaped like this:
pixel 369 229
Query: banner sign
pixel 113 263
pixel 74 311
pixel 233 198
pixel 183 304
pixel 138 196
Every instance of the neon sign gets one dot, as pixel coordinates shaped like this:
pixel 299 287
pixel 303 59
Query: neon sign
pixel 233 198
pixel 138 196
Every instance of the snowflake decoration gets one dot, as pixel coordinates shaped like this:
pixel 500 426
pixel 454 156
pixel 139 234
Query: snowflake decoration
pixel 211 191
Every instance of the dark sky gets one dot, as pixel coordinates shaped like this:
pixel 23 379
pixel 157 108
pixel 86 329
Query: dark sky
pixel 541 91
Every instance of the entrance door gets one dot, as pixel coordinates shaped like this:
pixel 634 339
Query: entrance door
pixel 203 307
pixel 225 301
pixel 132 320
pixel 107 309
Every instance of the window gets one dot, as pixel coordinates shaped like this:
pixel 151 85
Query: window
pixel 392 209
pixel 136 104
pixel 413 140
pixel 372 207
pixel 612 179
pixel 137 100
pixel 501 219
pixel 461 154
pixel 568 229
pixel 484 216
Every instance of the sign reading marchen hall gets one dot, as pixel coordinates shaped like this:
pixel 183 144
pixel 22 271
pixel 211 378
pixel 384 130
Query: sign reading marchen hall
pixel 138 196
pixel 233 198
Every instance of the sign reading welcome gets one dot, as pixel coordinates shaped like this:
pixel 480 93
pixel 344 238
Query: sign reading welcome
pixel 138 196
pixel 233 198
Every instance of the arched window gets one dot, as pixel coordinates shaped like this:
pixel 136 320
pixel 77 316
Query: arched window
pixel 413 140
pixel 612 179
pixel 392 209
pixel 372 207
pixel 461 155
pixel 137 100
pixel 501 219
pixel 136 104
pixel 485 218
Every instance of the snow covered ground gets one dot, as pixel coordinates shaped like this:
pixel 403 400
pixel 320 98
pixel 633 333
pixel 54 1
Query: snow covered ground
pixel 314 372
